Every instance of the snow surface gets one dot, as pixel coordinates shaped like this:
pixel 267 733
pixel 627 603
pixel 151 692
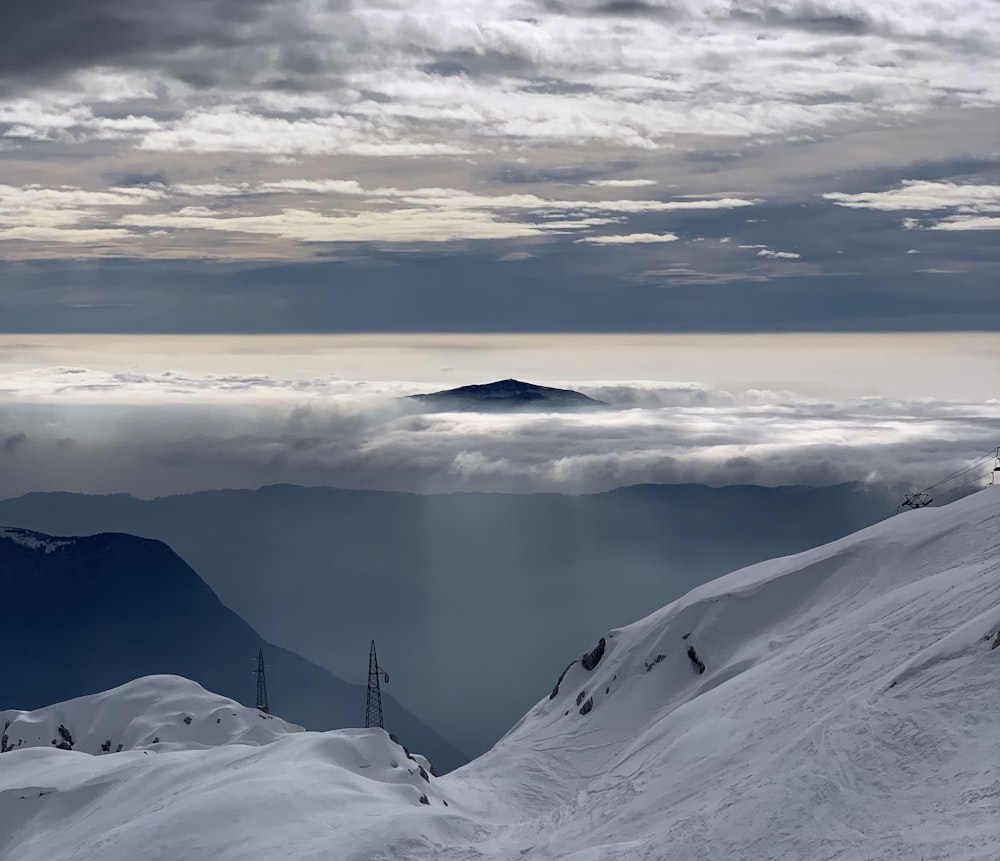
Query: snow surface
pixel 848 710
pixel 165 712
pixel 32 540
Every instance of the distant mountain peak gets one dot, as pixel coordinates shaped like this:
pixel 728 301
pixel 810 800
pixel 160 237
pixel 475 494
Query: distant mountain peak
pixel 509 394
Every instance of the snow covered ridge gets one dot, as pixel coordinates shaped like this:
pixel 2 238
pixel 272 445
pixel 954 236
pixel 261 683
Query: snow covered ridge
pixel 839 703
pixel 32 540
pixel 165 712
pixel 844 709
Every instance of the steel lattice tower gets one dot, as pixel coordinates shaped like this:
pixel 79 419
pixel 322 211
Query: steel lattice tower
pixel 262 704
pixel 373 707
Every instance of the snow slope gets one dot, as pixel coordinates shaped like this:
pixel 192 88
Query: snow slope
pixel 169 712
pixel 847 710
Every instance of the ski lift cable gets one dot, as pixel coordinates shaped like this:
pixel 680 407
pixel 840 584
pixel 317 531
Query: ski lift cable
pixel 960 487
pixel 942 486
pixel 947 478
pixel 981 476
pixel 965 469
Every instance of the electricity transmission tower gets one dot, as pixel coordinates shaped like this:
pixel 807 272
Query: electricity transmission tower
pixel 262 704
pixel 916 500
pixel 373 707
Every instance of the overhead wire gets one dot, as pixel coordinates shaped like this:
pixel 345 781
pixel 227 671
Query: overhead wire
pixel 969 483
pixel 922 498
pixel 976 464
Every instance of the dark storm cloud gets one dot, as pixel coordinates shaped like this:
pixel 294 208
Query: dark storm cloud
pixel 202 42
pixel 713 156
pixel 133 179
pixel 50 36
pixel 515 174
pixel 615 8
pixel 555 86
pixel 634 8
pixel 12 442
pixel 495 62
pixel 965 169
pixel 808 16
pixel 444 68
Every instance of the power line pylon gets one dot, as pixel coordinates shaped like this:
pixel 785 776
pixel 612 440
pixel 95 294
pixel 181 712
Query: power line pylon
pixel 915 500
pixel 373 707
pixel 262 704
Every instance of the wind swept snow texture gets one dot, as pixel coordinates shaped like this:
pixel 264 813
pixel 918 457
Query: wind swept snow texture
pixel 847 711
pixel 170 711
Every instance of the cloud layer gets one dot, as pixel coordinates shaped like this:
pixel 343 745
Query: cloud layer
pixel 73 428
pixel 384 78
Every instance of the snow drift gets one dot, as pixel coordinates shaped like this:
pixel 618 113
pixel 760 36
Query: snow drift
pixel 845 708
pixel 168 712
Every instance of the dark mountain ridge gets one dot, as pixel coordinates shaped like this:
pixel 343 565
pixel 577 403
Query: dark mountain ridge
pixel 507 394
pixel 83 615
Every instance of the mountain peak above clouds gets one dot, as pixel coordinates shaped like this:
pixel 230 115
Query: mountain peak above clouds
pixel 509 394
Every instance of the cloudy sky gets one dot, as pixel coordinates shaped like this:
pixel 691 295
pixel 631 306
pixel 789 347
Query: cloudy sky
pixel 511 166
pixel 328 165
pixel 234 234
pixel 167 415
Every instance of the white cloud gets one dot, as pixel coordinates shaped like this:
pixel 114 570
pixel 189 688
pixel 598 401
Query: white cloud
pixel 210 189
pixel 247 430
pixel 630 239
pixel 489 82
pixel 70 235
pixel 318 186
pixel 924 195
pixel 398 225
pixel 968 222
pixel 66 214
pixel 232 129
pixel 380 214
pixel 392 79
pixel 621 183
pixel 781 255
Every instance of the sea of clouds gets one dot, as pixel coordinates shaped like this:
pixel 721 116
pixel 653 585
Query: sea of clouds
pixel 72 428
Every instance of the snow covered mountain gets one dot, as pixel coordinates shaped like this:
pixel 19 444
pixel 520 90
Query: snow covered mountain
pixel 321 570
pixel 837 704
pixel 156 712
pixel 85 614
